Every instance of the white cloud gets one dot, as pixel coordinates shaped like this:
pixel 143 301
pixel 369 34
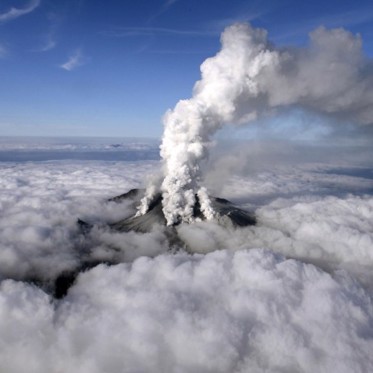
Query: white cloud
pixel 223 312
pixel 76 60
pixel 35 198
pixel 14 13
pixel 248 300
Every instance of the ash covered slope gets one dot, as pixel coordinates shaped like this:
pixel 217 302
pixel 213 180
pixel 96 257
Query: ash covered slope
pixel 226 213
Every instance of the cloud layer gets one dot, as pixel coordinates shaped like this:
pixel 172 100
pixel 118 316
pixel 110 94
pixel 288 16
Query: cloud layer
pixel 297 206
pixel 293 293
pixel 223 312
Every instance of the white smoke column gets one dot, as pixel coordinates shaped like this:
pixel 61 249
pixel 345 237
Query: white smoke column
pixel 249 78
pixel 189 127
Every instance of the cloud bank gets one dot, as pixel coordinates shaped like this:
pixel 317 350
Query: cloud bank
pixel 311 211
pixel 293 293
pixel 223 312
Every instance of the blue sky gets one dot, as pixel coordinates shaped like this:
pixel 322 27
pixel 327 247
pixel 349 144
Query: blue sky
pixel 112 68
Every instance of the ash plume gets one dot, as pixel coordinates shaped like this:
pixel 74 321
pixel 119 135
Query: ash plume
pixel 250 78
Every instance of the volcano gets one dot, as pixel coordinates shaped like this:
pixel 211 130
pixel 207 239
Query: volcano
pixel 227 214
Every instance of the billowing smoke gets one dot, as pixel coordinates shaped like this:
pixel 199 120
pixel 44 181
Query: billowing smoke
pixel 250 78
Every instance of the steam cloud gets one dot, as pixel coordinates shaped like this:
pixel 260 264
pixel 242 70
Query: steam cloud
pixel 250 78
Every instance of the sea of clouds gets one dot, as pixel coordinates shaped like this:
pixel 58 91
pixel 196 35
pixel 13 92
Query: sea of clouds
pixel 292 294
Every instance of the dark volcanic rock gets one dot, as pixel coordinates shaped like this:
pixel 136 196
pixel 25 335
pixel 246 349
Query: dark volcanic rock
pixel 63 283
pixel 131 194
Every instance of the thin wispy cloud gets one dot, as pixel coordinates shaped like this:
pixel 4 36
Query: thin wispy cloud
pixel 48 41
pixel 168 3
pixel 14 13
pixel 3 51
pixel 49 44
pixel 180 51
pixel 164 8
pixel 154 31
pixel 348 18
pixel 76 60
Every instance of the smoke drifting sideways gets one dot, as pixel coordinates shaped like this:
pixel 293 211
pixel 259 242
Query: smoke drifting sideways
pixel 250 78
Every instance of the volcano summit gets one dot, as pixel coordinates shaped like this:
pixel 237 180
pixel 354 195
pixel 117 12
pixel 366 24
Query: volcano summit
pixel 226 214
